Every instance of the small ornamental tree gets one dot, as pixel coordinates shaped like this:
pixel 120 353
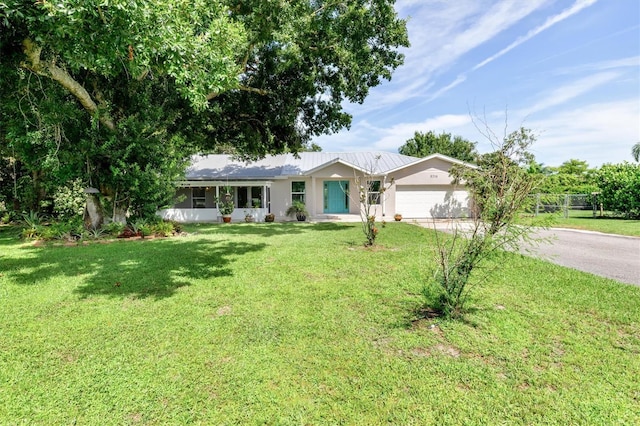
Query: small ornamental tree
pixel 500 189
pixel 371 193
pixel 371 190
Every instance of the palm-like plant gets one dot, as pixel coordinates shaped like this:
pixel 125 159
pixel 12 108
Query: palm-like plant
pixel 298 209
pixel 635 151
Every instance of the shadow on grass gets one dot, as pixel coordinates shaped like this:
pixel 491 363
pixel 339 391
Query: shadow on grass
pixel 9 234
pixel 140 269
pixel 265 229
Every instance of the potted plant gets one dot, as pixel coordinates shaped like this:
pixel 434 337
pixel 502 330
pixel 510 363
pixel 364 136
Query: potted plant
pixel 225 206
pixel 298 209
pixel 397 217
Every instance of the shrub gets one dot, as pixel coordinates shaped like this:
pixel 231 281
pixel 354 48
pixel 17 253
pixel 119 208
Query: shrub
pixel 114 228
pixel 163 229
pixel 7 217
pixel 69 200
pixel 145 230
pixel 500 188
pixel 31 219
pixel 620 188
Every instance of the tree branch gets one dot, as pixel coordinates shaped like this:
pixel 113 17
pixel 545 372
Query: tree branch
pixel 49 69
pixel 262 92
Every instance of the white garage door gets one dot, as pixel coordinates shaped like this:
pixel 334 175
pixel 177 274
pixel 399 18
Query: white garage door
pixel 429 201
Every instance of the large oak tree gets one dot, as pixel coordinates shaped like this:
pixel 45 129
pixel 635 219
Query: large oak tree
pixel 121 92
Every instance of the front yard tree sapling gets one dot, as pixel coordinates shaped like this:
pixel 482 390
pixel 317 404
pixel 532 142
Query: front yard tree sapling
pixel 500 188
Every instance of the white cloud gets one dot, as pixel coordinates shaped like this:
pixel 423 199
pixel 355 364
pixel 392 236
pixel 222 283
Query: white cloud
pixel 571 108
pixel 630 62
pixel 440 33
pixel 597 133
pixel 571 91
pixel 391 139
pixel 365 136
pixel 577 7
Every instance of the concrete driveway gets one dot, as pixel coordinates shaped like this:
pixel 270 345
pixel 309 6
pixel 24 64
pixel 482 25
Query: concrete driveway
pixel 611 256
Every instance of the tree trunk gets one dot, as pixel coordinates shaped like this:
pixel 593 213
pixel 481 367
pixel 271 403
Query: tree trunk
pixel 93 216
pixel 119 215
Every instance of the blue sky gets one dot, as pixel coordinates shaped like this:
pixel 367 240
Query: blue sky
pixel 567 69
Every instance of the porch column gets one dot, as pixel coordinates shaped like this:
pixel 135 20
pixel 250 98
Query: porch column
pixel 263 202
pixel 312 207
pixel 382 196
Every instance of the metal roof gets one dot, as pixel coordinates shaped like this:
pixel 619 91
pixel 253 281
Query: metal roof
pixel 280 166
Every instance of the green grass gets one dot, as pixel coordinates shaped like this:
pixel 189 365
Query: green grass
pixel 584 220
pixel 299 324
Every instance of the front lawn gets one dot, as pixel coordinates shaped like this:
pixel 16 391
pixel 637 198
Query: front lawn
pixel 584 220
pixel 299 324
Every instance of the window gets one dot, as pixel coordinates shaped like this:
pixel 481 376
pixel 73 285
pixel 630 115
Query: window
pixel 256 197
pixel 249 197
pixel 243 199
pixel 374 192
pixel 297 191
pixel 198 198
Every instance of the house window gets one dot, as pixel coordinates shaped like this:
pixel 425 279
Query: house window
pixel 249 197
pixel 243 199
pixel 198 198
pixel 297 191
pixel 256 197
pixel 374 192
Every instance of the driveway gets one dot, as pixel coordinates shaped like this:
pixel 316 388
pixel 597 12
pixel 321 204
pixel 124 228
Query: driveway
pixel 607 255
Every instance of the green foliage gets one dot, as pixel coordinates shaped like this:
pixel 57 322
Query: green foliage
pixel 500 188
pixel 96 233
pixel 5 217
pixel 620 188
pixel 635 151
pixel 297 208
pixel 163 229
pixel 136 225
pixel 114 228
pixel 225 202
pixel 32 219
pixel 425 144
pixel 371 192
pixel 145 230
pixel 121 93
pixel 571 177
pixel 70 229
pixel 69 200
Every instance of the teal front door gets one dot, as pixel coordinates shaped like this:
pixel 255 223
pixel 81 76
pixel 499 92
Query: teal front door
pixel 336 198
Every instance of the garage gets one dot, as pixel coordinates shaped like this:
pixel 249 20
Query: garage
pixel 427 201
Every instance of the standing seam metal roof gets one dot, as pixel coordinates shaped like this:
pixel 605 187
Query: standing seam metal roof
pixel 224 167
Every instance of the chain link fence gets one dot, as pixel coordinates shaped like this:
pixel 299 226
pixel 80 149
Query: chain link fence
pixel 566 204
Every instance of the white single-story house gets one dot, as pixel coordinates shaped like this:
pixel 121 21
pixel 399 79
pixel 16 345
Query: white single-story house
pixel 422 187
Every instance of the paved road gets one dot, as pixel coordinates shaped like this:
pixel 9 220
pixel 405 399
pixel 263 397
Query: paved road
pixel 607 255
pixel 610 256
